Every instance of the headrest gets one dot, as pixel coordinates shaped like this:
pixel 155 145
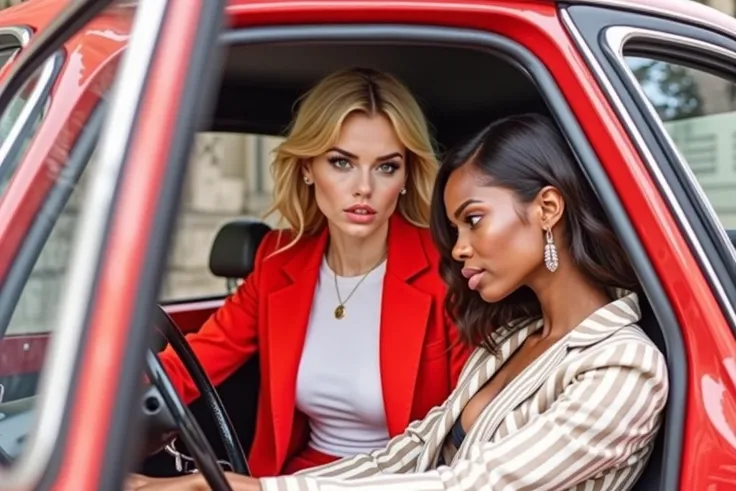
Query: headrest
pixel 233 253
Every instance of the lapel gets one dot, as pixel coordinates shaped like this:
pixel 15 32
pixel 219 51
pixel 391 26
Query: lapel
pixel 288 317
pixel 405 313
pixel 516 392
pixel 598 326
pixel 508 339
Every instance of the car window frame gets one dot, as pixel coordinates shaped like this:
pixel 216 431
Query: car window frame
pixel 695 216
pixel 41 458
pixel 668 47
pixel 663 45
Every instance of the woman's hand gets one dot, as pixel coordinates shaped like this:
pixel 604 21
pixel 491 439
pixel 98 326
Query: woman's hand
pixel 243 483
pixel 191 482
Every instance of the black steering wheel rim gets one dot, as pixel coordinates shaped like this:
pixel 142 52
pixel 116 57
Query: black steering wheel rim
pixel 171 333
pixel 202 452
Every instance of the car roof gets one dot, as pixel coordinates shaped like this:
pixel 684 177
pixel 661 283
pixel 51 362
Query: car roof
pixel 689 11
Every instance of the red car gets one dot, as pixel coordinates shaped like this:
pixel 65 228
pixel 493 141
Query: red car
pixel 99 108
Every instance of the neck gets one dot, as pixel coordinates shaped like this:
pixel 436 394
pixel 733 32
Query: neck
pixel 567 298
pixel 351 256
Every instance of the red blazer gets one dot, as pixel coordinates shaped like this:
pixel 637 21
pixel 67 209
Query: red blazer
pixel 420 355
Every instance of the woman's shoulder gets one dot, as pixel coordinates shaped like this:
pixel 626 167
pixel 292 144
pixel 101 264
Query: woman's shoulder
pixel 628 347
pixel 279 247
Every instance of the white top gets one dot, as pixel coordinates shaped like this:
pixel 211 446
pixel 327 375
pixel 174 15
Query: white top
pixel 339 381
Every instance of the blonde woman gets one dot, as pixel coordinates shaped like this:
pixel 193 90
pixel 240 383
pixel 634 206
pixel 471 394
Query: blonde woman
pixel 345 306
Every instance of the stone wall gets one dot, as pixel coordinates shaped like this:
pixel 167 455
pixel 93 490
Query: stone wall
pixel 228 177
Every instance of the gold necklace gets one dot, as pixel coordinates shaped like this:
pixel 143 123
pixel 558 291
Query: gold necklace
pixel 340 309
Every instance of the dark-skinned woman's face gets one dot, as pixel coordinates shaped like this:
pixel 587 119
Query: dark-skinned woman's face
pixel 500 241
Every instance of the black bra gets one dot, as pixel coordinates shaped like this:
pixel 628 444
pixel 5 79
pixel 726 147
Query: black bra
pixel 457 434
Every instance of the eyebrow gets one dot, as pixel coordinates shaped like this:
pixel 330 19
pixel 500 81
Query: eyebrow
pixel 353 156
pixel 462 207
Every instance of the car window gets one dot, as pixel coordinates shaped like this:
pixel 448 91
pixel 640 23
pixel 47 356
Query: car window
pixel 228 177
pixel 6 54
pixel 36 280
pixel 699 113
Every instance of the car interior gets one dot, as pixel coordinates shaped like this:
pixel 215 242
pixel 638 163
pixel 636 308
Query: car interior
pixel 460 89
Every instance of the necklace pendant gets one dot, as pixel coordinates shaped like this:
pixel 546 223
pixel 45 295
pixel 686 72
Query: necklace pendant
pixel 340 311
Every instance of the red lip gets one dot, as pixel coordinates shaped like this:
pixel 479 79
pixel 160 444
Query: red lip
pixel 361 209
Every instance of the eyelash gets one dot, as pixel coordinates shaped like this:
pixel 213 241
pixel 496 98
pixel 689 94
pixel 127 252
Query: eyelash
pixel 387 167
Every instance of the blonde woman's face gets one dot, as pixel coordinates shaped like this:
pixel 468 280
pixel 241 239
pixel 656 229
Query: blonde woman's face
pixel 357 183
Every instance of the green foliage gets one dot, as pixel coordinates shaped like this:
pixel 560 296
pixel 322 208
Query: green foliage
pixel 672 89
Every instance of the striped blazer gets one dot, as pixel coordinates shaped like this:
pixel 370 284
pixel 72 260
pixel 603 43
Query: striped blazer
pixel 582 416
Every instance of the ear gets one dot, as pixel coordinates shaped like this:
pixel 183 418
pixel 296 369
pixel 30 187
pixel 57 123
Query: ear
pixel 307 169
pixel 551 205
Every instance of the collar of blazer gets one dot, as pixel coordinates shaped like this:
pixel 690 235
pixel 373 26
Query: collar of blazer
pixel 482 365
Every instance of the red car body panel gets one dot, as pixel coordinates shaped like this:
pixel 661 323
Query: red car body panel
pixel 709 456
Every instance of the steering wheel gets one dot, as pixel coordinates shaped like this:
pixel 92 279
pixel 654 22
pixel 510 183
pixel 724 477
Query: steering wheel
pixel 182 419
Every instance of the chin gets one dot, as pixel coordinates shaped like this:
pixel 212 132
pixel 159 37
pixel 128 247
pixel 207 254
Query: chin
pixel 358 231
pixel 493 294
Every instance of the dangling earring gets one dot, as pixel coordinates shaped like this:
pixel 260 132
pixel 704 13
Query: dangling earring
pixel 550 251
pixel 307 181
pixel 403 191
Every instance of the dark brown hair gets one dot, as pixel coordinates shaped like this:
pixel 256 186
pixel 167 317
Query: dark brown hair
pixel 524 154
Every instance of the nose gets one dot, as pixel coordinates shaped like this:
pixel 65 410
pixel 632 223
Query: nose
pixel 462 250
pixel 364 184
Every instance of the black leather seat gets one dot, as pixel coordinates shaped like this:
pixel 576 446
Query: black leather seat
pixel 650 479
pixel 233 252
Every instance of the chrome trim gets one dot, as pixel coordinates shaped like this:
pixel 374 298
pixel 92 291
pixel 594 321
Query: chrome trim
pixel 45 80
pixel 65 344
pixel 651 163
pixel 647 8
pixel 23 34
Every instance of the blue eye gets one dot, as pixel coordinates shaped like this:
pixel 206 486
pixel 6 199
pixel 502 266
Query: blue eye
pixel 339 162
pixel 388 168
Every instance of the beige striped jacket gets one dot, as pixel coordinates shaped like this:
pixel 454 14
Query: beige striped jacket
pixel 582 416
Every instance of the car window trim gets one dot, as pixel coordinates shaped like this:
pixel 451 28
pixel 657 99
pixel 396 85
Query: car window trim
pixel 61 365
pixel 616 38
pixel 34 107
pixel 21 33
pixel 703 21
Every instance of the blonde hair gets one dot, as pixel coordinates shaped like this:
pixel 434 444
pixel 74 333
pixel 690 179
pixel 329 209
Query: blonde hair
pixel 316 127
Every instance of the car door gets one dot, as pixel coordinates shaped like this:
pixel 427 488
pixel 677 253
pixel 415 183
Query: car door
pixel 672 79
pixel 85 268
